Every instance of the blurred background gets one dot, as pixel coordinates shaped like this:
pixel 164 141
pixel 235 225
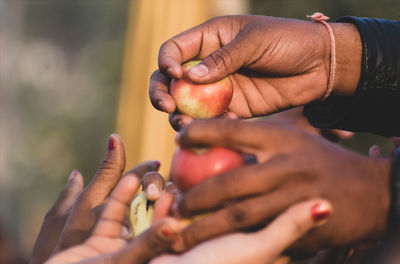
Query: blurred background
pixel 74 71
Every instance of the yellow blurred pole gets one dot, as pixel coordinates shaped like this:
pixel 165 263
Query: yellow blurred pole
pixel 146 131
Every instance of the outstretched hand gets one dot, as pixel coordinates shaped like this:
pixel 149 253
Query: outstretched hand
pixel 88 207
pixel 105 245
pixel 264 246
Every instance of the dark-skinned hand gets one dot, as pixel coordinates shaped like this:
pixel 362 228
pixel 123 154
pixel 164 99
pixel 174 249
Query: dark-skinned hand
pixel 56 218
pixel 105 244
pixel 292 165
pixel 91 201
pixel 273 63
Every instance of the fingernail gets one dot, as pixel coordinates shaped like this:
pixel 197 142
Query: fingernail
pixel 157 163
pixel 152 191
pixel 73 175
pixel 199 70
pixel 167 232
pixel 320 212
pixel 111 143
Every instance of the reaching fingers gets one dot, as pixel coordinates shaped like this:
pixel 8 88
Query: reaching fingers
pixel 69 194
pixel 142 168
pixel 245 181
pixel 159 94
pixel 153 242
pixel 114 214
pixel 264 246
pixel 234 217
pixel 162 206
pixel 109 173
pixel 56 218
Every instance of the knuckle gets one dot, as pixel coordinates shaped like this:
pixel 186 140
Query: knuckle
pixel 297 226
pixel 222 59
pixel 237 216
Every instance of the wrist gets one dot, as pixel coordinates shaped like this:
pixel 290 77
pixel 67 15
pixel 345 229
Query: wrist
pixel 348 58
pixel 394 212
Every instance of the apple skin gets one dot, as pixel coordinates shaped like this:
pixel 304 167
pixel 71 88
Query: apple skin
pixel 201 100
pixel 191 166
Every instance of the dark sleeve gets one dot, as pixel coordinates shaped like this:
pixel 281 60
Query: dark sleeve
pixel 375 105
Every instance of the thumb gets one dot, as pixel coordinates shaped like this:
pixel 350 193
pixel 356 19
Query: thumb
pixel 221 62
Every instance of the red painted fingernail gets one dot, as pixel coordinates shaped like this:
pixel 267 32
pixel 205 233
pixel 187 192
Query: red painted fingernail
pixel 73 175
pixel 158 163
pixel 167 232
pixel 320 212
pixel 111 143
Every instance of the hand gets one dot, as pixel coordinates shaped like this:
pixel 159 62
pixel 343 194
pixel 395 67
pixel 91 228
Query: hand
pixel 105 244
pixel 90 203
pixel 273 63
pixel 55 219
pixel 292 166
pixel 264 246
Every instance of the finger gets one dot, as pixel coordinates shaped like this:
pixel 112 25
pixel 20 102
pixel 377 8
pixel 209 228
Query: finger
pixel 153 185
pixel 179 121
pixel 236 216
pixel 266 245
pixel 162 206
pixel 235 134
pixel 69 194
pixel 222 62
pixel 109 173
pixel 153 242
pixel 245 181
pixel 179 49
pixel 56 218
pixel 112 219
pixel 375 152
pixel 142 168
pixel 159 93
pixel 291 225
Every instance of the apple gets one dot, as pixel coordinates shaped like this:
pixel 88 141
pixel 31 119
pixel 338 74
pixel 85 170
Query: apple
pixel 191 166
pixel 201 100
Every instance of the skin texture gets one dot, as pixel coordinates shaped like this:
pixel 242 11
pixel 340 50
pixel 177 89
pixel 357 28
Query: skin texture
pixel 275 63
pixel 91 201
pixel 105 244
pixel 264 246
pixel 286 172
pixel 56 218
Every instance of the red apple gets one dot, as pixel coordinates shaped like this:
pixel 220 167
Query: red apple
pixel 191 166
pixel 201 100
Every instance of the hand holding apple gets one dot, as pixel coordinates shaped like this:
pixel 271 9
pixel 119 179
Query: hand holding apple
pixel 201 100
